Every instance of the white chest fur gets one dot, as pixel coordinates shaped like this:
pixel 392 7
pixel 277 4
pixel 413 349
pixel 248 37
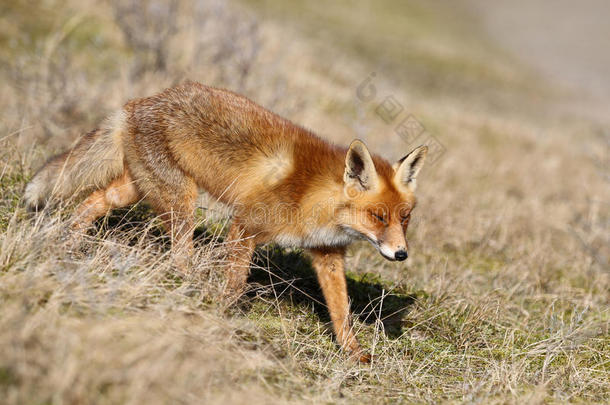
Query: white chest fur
pixel 317 237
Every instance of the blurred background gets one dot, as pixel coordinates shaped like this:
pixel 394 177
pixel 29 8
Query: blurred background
pixel 510 237
pixel 562 40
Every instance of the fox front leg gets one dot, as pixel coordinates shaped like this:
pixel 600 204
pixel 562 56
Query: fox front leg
pixel 330 269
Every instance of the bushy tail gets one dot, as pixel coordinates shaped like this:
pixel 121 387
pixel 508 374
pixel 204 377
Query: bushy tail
pixel 93 163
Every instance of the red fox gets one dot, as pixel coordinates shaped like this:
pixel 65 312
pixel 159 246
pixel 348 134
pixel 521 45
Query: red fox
pixel 285 184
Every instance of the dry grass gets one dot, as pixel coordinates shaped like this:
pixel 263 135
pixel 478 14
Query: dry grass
pixel 505 298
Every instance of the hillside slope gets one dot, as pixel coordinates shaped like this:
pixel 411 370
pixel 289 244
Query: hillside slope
pixel 503 300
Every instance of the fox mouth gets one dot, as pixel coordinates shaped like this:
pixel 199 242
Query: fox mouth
pixel 379 246
pixel 376 243
pixel 392 259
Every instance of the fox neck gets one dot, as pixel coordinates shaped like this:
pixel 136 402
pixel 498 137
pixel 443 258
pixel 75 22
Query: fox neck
pixel 316 224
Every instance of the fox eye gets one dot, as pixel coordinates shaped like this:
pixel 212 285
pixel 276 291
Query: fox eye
pixel 380 218
pixel 404 219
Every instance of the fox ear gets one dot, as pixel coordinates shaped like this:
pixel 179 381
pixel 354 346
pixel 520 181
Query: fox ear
pixel 407 168
pixel 360 171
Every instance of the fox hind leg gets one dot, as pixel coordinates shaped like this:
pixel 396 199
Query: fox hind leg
pixel 175 205
pixel 119 193
pixel 242 247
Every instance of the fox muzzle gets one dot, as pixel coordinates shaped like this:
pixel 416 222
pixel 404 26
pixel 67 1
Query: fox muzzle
pixel 401 255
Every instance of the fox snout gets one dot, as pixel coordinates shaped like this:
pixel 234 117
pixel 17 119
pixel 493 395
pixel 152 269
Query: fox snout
pixel 398 253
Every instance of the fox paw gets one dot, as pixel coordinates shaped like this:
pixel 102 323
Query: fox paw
pixel 360 356
pixel 365 358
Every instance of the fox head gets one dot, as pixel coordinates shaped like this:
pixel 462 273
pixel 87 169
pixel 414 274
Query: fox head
pixel 379 198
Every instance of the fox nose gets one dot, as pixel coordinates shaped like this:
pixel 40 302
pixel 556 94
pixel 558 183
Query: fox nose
pixel 401 255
